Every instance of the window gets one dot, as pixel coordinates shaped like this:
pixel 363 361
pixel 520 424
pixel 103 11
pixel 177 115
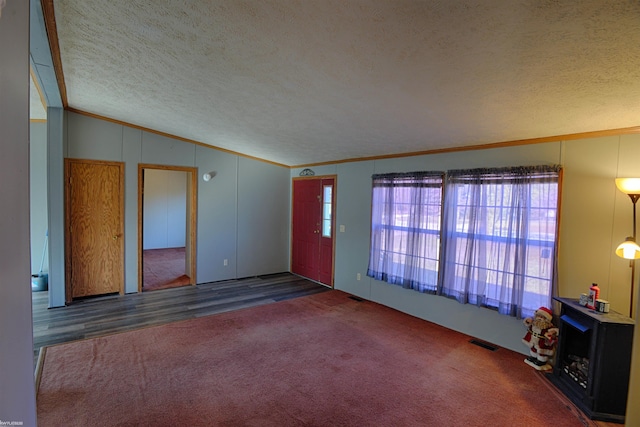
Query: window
pixel 405 235
pixel 498 236
pixel 326 210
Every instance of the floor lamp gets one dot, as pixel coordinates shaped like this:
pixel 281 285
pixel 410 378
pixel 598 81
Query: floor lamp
pixel 629 249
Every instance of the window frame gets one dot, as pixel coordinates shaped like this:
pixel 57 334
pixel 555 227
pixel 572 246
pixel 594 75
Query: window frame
pixel 507 181
pixel 408 270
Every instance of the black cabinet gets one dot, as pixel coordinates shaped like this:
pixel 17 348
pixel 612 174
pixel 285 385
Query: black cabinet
pixel 593 359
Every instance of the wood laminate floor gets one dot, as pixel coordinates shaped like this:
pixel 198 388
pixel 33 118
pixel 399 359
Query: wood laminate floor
pixel 104 315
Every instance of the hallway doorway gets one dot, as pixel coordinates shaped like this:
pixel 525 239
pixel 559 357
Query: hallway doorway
pixel 166 224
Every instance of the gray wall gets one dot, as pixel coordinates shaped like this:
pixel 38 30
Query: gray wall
pixel 38 195
pixel 165 209
pixel 242 217
pixel 17 387
pixel 595 218
pixel 55 201
pixel 242 212
pixel 263 211
pixel 217 215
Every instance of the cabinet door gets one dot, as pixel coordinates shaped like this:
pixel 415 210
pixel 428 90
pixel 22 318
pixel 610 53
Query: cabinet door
pixel 612 365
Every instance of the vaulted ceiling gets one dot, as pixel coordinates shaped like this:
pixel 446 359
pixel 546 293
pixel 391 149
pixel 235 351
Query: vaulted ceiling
pixel 308 81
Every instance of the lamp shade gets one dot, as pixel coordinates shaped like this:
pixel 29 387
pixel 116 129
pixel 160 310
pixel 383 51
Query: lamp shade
pixel 628 249
pixel 628 185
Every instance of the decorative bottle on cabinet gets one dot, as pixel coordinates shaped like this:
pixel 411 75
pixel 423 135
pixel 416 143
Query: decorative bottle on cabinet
pixel 594 294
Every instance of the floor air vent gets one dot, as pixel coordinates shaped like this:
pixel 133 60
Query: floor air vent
pixel 483 344
pixel 356 298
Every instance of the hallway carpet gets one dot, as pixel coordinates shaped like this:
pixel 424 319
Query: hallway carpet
pixel 320 360
pixel 163 268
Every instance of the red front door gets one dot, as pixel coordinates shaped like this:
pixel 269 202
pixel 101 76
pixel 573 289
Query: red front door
pixel 312 243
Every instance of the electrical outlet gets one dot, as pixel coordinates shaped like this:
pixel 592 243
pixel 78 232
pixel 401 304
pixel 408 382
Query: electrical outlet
pixel 225 262
pixel 358 276
pixel 342 228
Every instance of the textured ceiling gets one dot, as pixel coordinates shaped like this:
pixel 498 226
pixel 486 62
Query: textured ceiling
pixel 309 81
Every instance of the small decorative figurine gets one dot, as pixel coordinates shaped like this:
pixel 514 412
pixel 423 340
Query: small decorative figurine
pixel 541 338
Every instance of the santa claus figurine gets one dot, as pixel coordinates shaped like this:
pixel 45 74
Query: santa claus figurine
pixel 541 338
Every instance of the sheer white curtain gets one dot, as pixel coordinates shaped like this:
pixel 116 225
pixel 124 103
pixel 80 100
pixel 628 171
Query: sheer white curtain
pixel 499 237
pixel 405 229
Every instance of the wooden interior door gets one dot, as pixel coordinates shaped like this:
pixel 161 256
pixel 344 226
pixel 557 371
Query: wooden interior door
pixel 313 231
pixel 95 229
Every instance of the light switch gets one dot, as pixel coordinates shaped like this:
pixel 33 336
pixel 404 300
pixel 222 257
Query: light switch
pixel 342 228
